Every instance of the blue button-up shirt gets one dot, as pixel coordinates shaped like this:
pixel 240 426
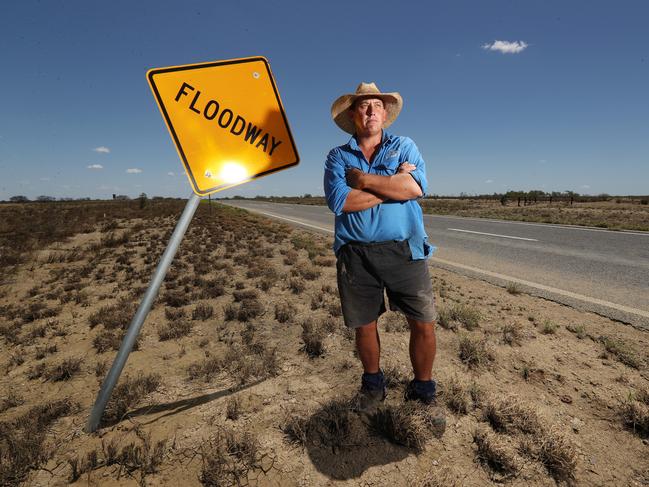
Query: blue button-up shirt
pixel 390 220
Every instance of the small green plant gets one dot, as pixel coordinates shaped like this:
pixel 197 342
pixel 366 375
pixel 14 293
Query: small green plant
pixel 513 288
pixel 549 328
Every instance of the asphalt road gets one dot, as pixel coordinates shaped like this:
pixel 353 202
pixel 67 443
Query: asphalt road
pixel 592 269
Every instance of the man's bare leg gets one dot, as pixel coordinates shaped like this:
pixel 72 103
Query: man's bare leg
pixel 368 346
pixel 422 348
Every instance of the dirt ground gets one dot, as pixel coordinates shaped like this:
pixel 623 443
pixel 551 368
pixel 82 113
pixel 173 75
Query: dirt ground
pixel 244 373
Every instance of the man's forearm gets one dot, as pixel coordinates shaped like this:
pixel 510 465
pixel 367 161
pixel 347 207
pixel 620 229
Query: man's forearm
pixel 398 187
pixel 358 200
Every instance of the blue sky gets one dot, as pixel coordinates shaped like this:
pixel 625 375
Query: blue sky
pixel 568 111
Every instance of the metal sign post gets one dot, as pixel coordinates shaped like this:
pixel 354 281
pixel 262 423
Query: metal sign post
pixel 142 312
pixel 228 125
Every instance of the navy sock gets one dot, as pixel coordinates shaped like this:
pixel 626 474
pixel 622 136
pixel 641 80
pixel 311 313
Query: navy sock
pixel 373 381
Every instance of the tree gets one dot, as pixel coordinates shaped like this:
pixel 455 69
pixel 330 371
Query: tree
pixel 44 198
pixel 143 200
pixel 18 199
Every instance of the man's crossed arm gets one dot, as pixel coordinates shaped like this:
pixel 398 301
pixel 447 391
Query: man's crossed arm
pixel 368 190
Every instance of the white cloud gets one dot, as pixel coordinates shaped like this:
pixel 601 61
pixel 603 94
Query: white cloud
pixel 44 179
pixel 506 47
pixel 489 181
pixel 102 149
pixel 170 173
pixel 585 186
pixel 95 166
pixel 134 170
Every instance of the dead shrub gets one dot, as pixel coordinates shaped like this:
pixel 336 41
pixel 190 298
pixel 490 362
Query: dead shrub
pixel 174 314
pixel 248 309
pixel 306 271
pixel 205 369
pixel 509 414
pixel 496 453
pixel 64 370
pixel 21 440
pixel 212 288
pixel 11 400
pixel 296 285
pixel 395 376
pixel 233 408
pixel 229 457
pixel 38 310
pixel 116 316
pixel 202 312
pixel 230 311
pixel 312 339
pixel 635 414
pixel 248 294
pixel 512 334
pixel 176 299
pixel 475 352
pixel 42 352
pixel 174 330
pixel 129 394
pixel 284 311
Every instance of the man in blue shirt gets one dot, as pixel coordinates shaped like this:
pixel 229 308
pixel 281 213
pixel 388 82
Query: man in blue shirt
pixel 371 184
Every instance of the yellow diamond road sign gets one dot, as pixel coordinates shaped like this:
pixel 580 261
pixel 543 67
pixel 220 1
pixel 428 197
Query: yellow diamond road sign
pixel 226 119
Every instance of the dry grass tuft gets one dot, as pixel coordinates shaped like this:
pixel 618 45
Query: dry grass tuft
pixel 509 414
pixel 285 311
pixel 461 314
pixel 549 328
pixel 404 425
pixel 64 370
pixel 312 339
pixel 233 408
pixel 21 440
pixel 475 352
pixel 621 351
pixel 11 400
pixel 229 457
pixel 455 395
pixel 635 413
pixel 202 312
pixel 495 452
pixel 129 394
pixel 512 334
pixel 174 330
pixel 557 453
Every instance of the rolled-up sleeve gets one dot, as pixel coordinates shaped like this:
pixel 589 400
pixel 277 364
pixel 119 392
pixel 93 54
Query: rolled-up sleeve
pixel 411 154
pixel 335 184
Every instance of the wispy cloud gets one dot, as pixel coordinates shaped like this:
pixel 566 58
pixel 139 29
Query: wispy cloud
pixel 101 149
pixel 44 179
pixel 585 186
pixel 95 166
pixel 489 181
pixel 134 170
pixel 506 47
pixel 170 173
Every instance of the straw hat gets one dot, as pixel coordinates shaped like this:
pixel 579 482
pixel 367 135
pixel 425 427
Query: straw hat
pixel 391 101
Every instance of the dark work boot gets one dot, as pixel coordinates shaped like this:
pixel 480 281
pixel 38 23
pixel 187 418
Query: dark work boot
pixel 371 394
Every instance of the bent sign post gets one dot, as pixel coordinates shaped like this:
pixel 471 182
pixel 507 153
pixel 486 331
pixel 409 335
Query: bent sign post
pixel 228 124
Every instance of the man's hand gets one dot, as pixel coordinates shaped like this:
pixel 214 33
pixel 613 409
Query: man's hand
pixel 406 167
pixel 355 178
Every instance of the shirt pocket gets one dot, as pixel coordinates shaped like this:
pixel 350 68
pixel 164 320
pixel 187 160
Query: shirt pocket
pixel 388 166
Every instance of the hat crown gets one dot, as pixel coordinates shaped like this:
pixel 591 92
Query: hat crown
pixel 367 89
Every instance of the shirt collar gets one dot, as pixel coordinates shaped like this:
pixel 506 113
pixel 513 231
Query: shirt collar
pixel 353 143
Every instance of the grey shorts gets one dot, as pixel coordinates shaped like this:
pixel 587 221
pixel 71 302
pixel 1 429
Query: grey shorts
pixel 365 270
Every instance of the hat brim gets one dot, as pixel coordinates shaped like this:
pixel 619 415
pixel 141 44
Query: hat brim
pixel 339 109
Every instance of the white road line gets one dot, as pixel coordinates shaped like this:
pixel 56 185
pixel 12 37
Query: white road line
pixel 493 234
pixel 550 225
pixel 555 290
pixel 294 221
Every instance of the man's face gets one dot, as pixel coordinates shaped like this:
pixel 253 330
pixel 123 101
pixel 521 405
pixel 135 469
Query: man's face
pixel 368 115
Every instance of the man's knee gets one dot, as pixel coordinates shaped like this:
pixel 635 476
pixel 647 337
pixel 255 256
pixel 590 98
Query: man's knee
pixel 419 327
pixel 366 330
